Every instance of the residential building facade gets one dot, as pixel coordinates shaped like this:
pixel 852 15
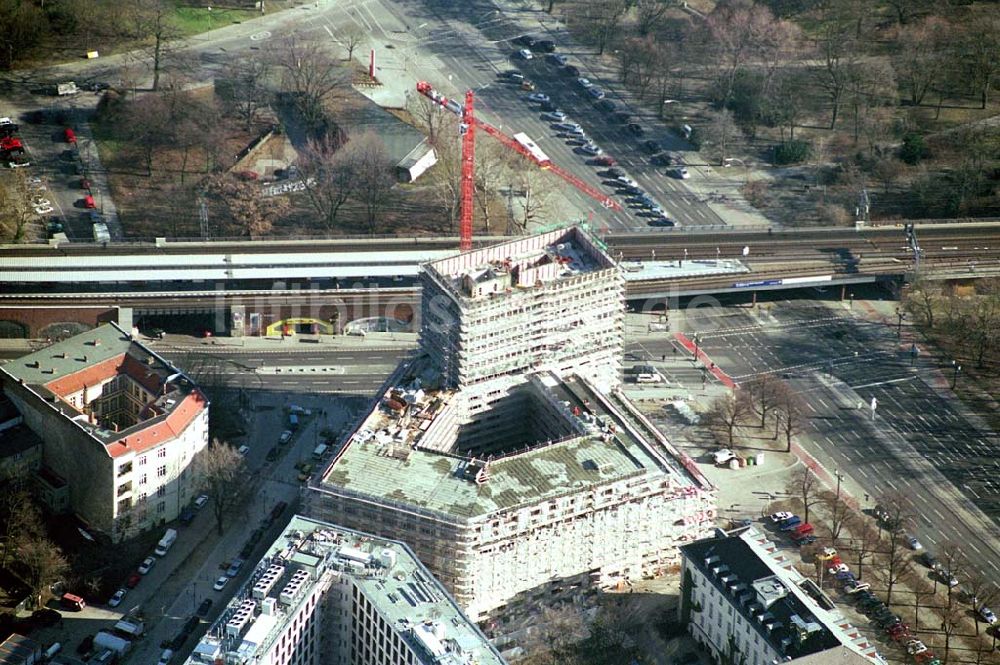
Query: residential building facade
pixel 120 427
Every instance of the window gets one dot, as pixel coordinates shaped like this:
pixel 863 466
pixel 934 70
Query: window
pixel 142 479
pixel 125 468
pixel 162 452
pixel 161 507
pixel 161 490
pixel 162 471
pixel 142 460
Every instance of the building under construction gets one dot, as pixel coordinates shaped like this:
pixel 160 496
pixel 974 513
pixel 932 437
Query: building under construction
pixel 506 456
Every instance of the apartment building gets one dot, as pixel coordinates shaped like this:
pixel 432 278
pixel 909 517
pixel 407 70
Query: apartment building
pixel 744 600
pixel 525 477
pixel 326 595
pixel 119 425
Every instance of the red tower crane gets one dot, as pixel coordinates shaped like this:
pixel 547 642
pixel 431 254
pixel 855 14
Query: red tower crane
pixel 523 146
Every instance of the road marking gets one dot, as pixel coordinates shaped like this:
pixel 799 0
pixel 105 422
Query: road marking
pixel 889 483
pixel 936 512
pixel 973 546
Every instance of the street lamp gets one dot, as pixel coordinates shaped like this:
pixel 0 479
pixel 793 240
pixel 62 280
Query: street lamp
pixel 900 315
pixel 954 378
pixel 697 338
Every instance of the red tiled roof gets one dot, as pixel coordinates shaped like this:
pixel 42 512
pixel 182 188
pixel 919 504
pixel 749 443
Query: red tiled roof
pixel 167 429
pixel 88 376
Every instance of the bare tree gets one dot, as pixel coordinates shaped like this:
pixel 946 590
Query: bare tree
pixel 980 55
pixel 766 393
pixel 727 411
pixel 244 209
pixel 23 26
pixel 721 134
pixel 440 125
pixel 20 520
pixel 536 200
pixel 841 516
pixel 374 176
pixel 352 39
pixel 838 52
pixel 951 620
pixel 871 84
pixel 15 206
pixel 43 563
pixel 864 546
pixel 920 59
pixel 330 172
pixel 790 415
pixel 922 300
pixel 897 558
pixel 953 566
pixel 146 124
pixel 906 9
pixel 154 19
pixel 221 471
pixel 247 91
pixel 494 164
pixel 981 592
pixel 649 14
pixel 602 19
pixel 805 486
pixel 311 74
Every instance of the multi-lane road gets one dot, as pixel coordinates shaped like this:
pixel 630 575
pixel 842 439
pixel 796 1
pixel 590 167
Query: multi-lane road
pixel 923 443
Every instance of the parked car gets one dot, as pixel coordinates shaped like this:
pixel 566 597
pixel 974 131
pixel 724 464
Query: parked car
pixel 147 565
pixel 69 135
pixel 548 106
pixel 584 83
pixel 285 437
pixel 525 54
pixel 117 599
pixel 133 580
pixel 620 117
pixel 780 516
pixel 544 45
pixel 635 128
pixel 272 454
pixel 662 159
pixel 512 75
pixel 790 523
pixel 524 40
pixel 827 554
pixel 88 201
pixel 554 116
pixel 607 105
pixel 605 160
pixel 200 502
pixel 234 568
pixel 914 543
pixel 595 92
pixel 538 97
pixel 681 173
pixel 592 149
pixel 220 583
pixel 857 587
pixel 557 59
pixel 203 609
pixel 661 222
pixel 987 615
pixel 244 450
pixel 571 70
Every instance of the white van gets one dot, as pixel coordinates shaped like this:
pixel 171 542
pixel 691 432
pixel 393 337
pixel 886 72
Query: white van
pixel 647 377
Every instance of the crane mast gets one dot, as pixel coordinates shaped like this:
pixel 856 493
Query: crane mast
pixel 468 125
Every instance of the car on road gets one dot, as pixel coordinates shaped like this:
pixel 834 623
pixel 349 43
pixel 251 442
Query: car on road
pixel 584 83
pixel 592 149
pixel 512 75
pixel 220 583
pixel 557 59
pixel 524 40
pixel 681 173
pixel 607 105
pixel 571 70
pixel 147 565
pixel 652 146
pixel 117 599
pixel 544 45
pixel 234 568
pixel 69 135
pixel 635 128
pixel 596 92
pixel 538 97
pixel 525 54
pixel 554 116
pixel 272 454
pixel 914 543
pixel 203 609
pixel 780 516
pixel 244 450
pixel 285 437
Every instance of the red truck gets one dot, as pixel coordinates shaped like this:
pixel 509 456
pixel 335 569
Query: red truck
pixel 802 531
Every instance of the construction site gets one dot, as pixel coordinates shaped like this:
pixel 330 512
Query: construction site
pixel 506 455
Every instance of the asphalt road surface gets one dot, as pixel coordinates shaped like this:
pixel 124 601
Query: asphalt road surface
pixel 922 443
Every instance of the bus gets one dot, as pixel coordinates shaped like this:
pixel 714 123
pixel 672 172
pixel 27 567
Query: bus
pixel 532 148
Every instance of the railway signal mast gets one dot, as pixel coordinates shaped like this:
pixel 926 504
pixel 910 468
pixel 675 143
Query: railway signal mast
pixel 520 143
